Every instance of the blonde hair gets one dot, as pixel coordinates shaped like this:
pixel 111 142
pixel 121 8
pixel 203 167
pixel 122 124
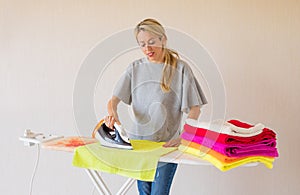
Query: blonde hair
pixel 170 56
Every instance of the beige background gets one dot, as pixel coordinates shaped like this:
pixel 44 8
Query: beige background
pixel 255 43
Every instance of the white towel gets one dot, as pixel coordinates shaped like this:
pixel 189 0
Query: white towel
pixel 254 129
pixel 221 126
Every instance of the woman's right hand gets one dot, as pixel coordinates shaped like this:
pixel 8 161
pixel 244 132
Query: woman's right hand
pixel 112 112
pixel 110 121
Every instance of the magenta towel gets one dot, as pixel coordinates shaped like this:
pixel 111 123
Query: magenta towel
pixel 261 148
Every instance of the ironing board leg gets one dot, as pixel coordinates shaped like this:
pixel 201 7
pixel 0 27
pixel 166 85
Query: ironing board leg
pixel 126 186
pixel 98 182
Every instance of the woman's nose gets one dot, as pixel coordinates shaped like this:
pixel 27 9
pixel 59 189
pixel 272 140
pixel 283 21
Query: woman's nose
pixel 148 47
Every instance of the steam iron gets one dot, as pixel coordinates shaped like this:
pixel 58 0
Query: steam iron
pixel 114 138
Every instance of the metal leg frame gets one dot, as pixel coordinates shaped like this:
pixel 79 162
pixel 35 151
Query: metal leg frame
pixel 98 182
pixel 126 186
pixel 101 186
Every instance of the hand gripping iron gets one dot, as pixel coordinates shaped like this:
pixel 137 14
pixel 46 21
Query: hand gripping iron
pixel 114 138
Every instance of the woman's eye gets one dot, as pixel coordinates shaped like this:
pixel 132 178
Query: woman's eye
pixel 151 42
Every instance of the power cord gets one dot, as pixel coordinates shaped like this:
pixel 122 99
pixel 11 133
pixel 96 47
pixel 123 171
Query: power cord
pixel 35 169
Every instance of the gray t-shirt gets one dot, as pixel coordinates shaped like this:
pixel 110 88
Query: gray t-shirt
pixel 157 114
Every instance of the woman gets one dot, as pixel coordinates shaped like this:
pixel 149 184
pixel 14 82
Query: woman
pixel 159 88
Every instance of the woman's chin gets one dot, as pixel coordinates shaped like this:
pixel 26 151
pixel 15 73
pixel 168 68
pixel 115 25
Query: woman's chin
pixel 151 59
pixel 154 60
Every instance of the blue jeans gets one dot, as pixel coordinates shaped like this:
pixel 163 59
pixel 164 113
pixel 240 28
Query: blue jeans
pixel 162 181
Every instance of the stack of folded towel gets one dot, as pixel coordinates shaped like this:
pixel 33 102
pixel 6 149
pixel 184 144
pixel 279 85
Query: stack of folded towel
pixel 230 144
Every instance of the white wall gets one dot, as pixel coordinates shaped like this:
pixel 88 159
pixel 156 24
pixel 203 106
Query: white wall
pixel 43 43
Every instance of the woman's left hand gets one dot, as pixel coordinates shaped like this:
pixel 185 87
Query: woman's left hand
pixel 173 143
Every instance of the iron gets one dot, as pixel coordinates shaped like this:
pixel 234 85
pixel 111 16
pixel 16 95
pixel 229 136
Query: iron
pixel 114 138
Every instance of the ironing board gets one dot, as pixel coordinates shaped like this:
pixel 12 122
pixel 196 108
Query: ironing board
pixel 63 144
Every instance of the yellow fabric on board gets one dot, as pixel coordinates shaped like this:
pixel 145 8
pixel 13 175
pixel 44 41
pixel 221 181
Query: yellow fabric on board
pixel 267 161
pixel 139 163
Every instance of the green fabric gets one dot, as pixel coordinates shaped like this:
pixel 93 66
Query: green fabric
pixel 139 163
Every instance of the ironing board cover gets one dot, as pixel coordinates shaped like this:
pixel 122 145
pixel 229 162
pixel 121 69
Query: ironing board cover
pixel 139 163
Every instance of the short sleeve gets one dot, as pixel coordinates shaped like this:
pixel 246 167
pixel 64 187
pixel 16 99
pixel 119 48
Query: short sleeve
pixel 192 94
pixel 122 90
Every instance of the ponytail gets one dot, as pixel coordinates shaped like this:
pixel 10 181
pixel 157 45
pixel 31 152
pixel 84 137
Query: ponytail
pixel 170 64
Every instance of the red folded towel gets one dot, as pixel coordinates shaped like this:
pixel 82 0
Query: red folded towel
pixel 231 139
